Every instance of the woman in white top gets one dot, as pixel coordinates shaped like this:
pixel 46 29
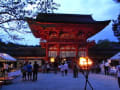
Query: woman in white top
pixel 62 68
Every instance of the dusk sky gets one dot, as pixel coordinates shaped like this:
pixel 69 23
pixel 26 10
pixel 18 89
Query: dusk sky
pixel 99 9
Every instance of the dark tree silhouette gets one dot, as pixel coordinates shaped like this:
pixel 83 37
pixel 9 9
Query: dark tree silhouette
pixel 116 25
pixel 118 1
pixel 13 13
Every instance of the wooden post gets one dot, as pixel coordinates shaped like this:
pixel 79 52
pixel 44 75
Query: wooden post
pixel 47 51
pixel 76 53
pixel 58 49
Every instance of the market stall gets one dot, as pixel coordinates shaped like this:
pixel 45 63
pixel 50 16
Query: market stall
pixel 114 61
pixel 6 62
pixel 6 66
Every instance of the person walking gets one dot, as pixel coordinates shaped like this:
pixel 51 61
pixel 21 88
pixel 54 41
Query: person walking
pixel 29 71
pixel 106 68
pixel 35 70
pixel 55 66
pixel 62 68
pixel 66 68
pixel 48 67
pixel 118 74
pixel 75 71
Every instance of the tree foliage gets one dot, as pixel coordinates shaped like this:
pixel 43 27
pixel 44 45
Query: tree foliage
pixel 116 24
pixel 105 44
pixel 118 1
pixel 116 27
pixel 13 13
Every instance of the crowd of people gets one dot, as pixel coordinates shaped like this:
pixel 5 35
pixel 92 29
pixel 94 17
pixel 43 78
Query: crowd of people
pixel 30 72
pixel 55 67
pixel 63 67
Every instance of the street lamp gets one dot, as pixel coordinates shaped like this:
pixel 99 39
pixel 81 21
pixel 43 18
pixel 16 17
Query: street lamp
pixel 85 64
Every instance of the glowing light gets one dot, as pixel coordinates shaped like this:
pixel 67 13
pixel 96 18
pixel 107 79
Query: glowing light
pixel 85 62
pixel 82 61
pixel 64 59
pixel 52 59
pixel 90 62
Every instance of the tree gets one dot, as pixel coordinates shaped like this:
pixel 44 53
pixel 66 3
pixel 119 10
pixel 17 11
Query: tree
pixel 13 13
pixel 118 1
pixel 116 25
pixel 103 43
pixel 106 44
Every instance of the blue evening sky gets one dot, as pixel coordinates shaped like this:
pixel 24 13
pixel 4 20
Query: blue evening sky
pixel 99 9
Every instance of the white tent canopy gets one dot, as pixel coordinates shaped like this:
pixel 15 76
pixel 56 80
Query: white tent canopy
pixel 6 57
pixel 115 57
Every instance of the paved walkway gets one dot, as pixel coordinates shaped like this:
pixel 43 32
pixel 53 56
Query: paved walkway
pixel 53 81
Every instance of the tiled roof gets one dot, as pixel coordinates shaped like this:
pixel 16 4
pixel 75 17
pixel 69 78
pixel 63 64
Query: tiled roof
pixel 66 18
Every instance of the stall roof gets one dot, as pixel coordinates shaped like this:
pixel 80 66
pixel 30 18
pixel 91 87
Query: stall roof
pixel 66 18
pixel 116 56
pixel 4 56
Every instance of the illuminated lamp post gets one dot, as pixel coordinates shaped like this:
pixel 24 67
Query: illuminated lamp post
pixel 85 64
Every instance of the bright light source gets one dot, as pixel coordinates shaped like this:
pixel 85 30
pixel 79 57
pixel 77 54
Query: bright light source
pixel 90 62
pixel 52 59
pixel 64 59
pixel 85 62
pixel 82 61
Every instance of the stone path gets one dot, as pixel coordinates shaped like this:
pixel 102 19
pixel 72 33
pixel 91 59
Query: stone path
pixel 53 81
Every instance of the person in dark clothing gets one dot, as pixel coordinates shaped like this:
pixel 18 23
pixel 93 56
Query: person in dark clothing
pixel 48 67
pixel 106 68
pixel 24 71
pixel 35 70
pixel 55 67
pixel 75 71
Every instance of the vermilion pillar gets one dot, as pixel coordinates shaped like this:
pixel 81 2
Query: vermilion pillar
pixel 47 51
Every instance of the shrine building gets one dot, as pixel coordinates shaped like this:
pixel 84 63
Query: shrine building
pixel 64 36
